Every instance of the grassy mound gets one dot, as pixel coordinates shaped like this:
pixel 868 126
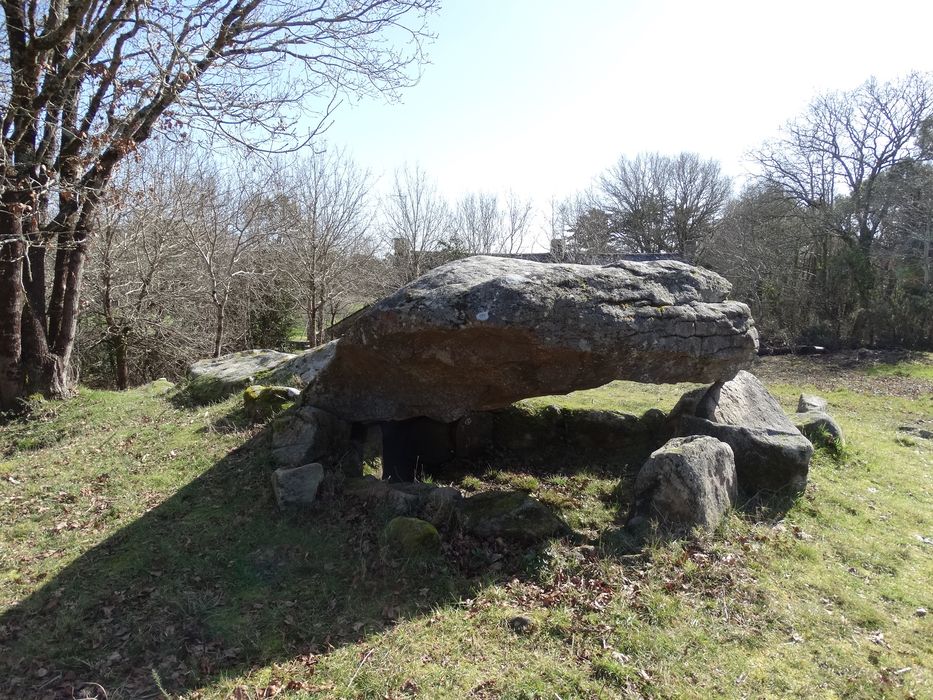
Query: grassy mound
pixel 142 551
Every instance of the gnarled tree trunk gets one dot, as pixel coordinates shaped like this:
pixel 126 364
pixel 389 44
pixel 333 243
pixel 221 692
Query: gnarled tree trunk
pixel 12 254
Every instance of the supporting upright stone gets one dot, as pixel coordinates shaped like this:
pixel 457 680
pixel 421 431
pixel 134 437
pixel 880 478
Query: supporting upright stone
pixel 689 482
pixel 771 455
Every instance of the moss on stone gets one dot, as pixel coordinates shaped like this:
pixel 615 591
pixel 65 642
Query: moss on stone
pixel 511 514
pixel 206 389
pixel 264 402
pixel 412 538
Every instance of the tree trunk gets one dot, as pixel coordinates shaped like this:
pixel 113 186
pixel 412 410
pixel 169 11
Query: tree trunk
pixel 311 326
pixel 12 252
pixel 119 346
pixel 926 253
pixel 219 328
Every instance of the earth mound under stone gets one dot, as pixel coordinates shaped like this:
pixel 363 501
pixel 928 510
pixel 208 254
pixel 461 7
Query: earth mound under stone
pixel 481 333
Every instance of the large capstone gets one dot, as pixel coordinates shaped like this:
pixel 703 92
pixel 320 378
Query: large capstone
pixel 481 333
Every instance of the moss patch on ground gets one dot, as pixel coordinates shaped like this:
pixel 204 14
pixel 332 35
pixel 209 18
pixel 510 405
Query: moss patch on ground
pixel 142 551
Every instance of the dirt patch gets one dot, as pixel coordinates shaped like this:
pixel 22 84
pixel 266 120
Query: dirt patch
pixel 848 370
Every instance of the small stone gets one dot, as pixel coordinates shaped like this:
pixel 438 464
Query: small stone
pixel 382 494
pixel 585 552
pixel 412 538
pixel 297 487
pixel 920 612
pixel 513 515
pixel 809 402
pixel 688 482
pixel 521 623
pixel 441 505
pixel 819 428
pixel 261 403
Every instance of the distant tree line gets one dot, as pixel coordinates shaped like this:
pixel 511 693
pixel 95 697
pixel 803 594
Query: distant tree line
pixel 829 244
pixel 145 220
pixel 199 255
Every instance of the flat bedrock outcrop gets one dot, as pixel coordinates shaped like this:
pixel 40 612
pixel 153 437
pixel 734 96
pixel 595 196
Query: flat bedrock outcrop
pixel 483 332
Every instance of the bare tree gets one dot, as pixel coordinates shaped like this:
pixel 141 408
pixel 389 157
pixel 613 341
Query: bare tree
pixel 221 227
pixel 84 82
pixel 485 225
pixel 323 218
pixel 663 204
pixel 635 194
pixel 417 221
pixel 139 282
pixel 841 147
pixel 478 221
pixel 834 162
pixel 516 225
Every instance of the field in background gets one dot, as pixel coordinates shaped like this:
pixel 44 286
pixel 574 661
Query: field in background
pixel 142 551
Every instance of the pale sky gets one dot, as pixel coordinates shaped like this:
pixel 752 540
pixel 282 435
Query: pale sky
pixel 540 96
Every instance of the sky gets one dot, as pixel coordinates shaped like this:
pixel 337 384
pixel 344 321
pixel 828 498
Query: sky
pixel 539 96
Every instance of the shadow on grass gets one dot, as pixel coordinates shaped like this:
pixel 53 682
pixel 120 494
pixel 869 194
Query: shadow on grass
pixel 215 581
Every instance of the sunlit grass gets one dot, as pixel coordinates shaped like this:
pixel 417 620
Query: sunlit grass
pixel 140 539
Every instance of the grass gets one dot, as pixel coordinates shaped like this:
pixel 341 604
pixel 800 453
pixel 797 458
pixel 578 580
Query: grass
pixel 916 369
pixel 141 549
pixel 627 397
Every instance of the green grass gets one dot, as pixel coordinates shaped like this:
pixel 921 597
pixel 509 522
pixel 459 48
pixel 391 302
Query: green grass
pixel 627 397
pixel 916 368
pixel 140 541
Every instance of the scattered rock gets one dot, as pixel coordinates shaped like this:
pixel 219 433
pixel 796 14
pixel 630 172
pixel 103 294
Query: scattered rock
pixel 819 428
pixel 438 505
pixel 689 482
pixel 916 432
pixel 810 402
pixel 521 624
pixel 309 434
pixel 771 455
pixel 263 402
pixel 159 386
pixel 215 379
pixel 482 332
pixel 297 486
pixel 381 494
pixel 441 507
pixel 510 514
pixel 412 538
pixel 920 612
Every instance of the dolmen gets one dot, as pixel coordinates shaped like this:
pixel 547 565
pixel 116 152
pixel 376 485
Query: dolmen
pixel 470 338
